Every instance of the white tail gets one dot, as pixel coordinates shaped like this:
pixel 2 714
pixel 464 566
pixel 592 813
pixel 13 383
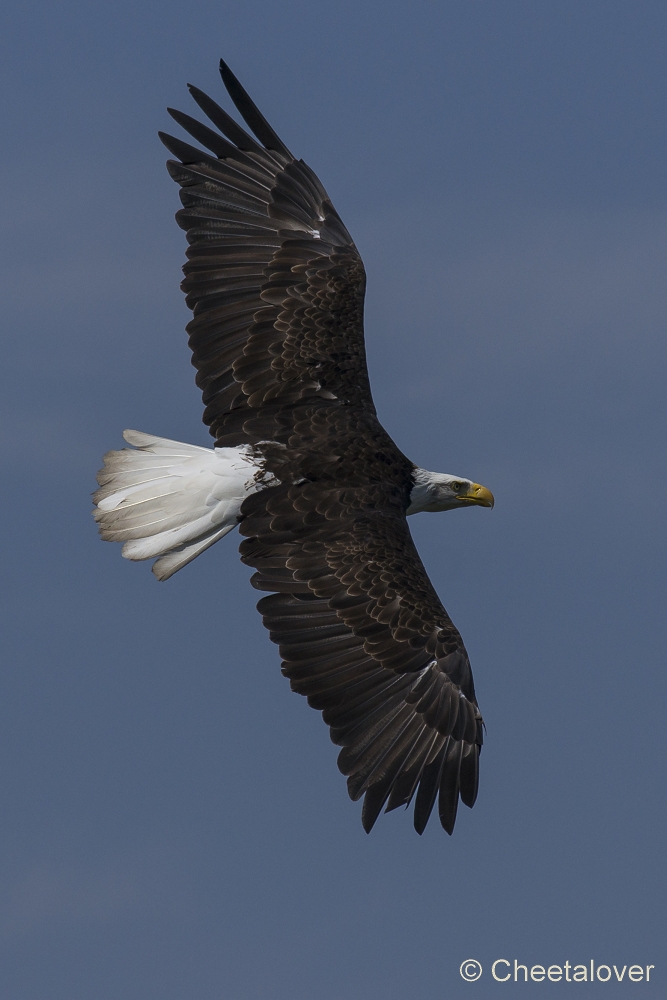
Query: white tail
pixel 172 500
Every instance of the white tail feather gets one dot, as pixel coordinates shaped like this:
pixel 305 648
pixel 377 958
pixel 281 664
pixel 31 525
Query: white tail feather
pixel 169 499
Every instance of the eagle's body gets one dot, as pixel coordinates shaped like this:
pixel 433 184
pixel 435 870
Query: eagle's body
pixel 301 463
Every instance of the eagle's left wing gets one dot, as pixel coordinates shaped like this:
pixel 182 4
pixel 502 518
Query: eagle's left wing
pixel 273 277
pixel 364 636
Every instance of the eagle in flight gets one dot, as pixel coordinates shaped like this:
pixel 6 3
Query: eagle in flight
pixel 301 464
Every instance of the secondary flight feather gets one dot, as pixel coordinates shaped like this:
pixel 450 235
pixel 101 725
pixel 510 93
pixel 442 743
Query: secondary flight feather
pixel 301 464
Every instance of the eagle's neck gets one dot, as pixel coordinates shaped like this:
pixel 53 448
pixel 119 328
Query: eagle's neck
pixel 426 492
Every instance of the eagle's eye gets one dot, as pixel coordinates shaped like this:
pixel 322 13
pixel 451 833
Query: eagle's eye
pixel 456 486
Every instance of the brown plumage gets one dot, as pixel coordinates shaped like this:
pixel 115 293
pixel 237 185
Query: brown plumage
pixel 276 286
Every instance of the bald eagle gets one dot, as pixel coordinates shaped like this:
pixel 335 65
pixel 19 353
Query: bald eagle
pixel 301 464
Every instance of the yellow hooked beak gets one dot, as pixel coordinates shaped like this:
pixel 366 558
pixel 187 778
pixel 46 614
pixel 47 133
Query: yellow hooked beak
pixel 478 495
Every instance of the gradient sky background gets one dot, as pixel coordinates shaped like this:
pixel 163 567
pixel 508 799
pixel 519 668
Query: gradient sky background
pixel 173 822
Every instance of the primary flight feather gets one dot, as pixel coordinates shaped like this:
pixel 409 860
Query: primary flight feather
pixel 303 467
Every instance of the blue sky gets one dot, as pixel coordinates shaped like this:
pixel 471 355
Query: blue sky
pixel 174 825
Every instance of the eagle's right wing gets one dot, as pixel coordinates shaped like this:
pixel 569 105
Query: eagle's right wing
pixel 364 636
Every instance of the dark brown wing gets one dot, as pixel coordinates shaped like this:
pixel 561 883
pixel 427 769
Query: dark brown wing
pixel 273 278
pixel 276 286
pixel 364 636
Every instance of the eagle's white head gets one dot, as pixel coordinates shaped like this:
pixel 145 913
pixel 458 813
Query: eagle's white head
pixel 438 491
